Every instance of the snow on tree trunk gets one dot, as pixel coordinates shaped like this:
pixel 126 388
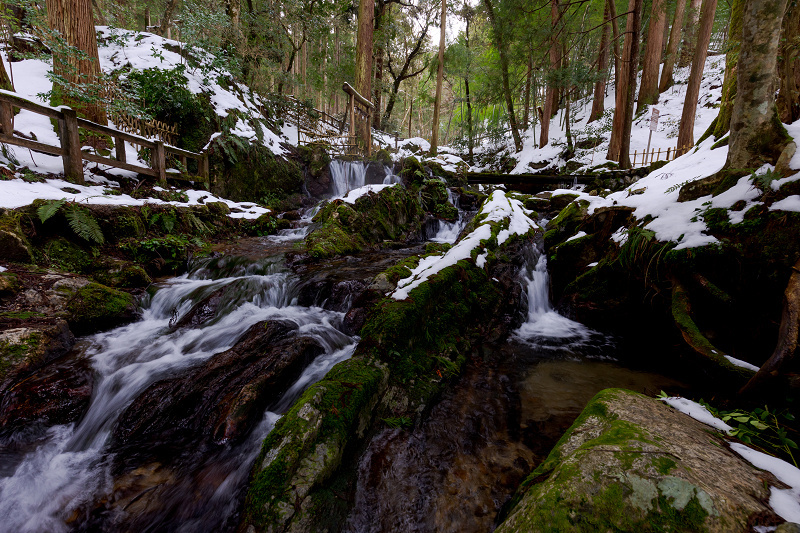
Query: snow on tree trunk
pixel 74 20
pixel 648 92
pixel 672 48
pixel 686 129
pixel 602 67
pixel 757 136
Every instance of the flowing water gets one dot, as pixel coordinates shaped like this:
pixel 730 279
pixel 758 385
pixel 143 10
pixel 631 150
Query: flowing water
pixel 455 471
pixel 70 470
pixel 448 232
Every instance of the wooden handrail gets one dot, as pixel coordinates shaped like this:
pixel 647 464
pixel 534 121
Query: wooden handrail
pixel 72 154
pixel 346 87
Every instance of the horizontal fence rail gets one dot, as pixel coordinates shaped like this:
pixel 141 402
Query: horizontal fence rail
pixel 70 149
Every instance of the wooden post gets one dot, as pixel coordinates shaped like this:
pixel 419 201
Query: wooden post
pixel 159 163
pixel 352 106
pixel 203 170
pixel 634 159
pixel 119 147
pixel 184 165
pixel 146 18
pixel 658 156
pixel 71 144
pixel 668 151
pixel 6 118
pixel 369 132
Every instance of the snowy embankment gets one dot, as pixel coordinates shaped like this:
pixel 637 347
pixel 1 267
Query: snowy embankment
pixel 122 49
pixel 785 502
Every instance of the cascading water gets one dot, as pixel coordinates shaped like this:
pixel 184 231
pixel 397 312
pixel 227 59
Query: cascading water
pixel 70 469
pixel 448 232
pixel 346 176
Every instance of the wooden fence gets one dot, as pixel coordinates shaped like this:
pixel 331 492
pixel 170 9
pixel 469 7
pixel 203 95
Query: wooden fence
pixel 645 158
pixel 71 152
pixel 162 131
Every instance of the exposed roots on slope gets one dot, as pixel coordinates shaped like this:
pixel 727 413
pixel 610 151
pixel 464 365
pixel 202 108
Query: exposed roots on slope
pixel 787 335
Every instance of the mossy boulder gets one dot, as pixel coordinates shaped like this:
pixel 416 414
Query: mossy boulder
pixel 122 274
pixel 566 223
pixel 393 215
pixel 65 255
pixel 630 463
pixel 316 162
pixel 95 307
pixel 9 283
pixel 244 171
pixel 13 244
pixel 28 347
pixel 413 172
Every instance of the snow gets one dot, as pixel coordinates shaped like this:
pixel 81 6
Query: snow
pixel 3 269
pixel 785 502
pixel 742 364
pixel 17 193
pixel 498 208
pixel 355 194
pixel 577 236
pixel 790 203
pixel 696 411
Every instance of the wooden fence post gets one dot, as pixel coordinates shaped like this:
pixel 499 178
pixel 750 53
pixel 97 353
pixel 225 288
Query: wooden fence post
pixel 119 147
pixel 203 169
pixel 159 163
pixel 668 150
pixel 633 165
pixel 7 118
pixel 71 144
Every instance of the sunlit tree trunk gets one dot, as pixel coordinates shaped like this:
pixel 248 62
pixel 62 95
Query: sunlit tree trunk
pixel 686 129
pixel 620 143
pixel 690 33
pixel 672 47
pixel 757 136
pixel 602 68
pixel 74 20
pixel 528 78
pixel 648 92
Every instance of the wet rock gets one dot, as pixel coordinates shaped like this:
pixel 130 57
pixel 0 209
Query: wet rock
pixel 13 244
pixel 95 307
pixel 9 284
pixel 57 393
pixel 219 401
pixel 124 274
pixel 23 349
pixel 630 462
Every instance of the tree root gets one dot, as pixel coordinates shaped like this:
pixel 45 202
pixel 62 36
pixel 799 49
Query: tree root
pixel 712 290
pixel 787 335
pixel 681 313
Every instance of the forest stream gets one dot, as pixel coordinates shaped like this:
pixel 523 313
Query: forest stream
pixel 170 436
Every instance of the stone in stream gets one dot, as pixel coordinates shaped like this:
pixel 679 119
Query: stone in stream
pixel 220 400
pixel 631 463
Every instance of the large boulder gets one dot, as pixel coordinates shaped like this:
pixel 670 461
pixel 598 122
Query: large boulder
pixel 631 463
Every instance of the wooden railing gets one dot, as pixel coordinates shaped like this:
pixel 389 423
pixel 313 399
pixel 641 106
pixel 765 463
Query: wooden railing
pixel 71 151
pixel 645 158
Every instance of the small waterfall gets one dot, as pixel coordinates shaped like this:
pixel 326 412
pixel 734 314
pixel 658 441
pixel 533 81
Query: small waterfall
pixel 44 487
pixel 448 232
pixel 346 176
pixel 299 232
pixel 543 322
pixel 391 178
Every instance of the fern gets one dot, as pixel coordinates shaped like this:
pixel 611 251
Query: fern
pixel 195 223
pixel 83 223
pixel 48 209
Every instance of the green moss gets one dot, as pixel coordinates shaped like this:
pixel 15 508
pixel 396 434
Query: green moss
pixel 94 307
pixel 9 283
pixel 664 465
pixel 402 269
pixel 12 354
pixel 66 255
pixel 21 315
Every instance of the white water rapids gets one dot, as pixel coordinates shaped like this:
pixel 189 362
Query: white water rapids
pixel 70 468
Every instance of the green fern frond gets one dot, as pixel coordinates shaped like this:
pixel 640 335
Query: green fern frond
pixel 83 223
pixel 195 223
pixel 48 209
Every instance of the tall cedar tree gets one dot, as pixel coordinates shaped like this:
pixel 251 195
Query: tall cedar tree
pixel 686 128
pixel 672 48
pixel 620 143
pixel 789 66
pixel 602 68
pixel 363 78
pixel 73 19
pixel 552 92
pixel 757 136
pixel 722 123
pixel 504 68
pixel 648 92
pixel 690 34
pixel 437 104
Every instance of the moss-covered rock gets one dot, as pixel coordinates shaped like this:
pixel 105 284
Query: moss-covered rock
pixel 95 307
pixel 26 348
pixel 64 254
pixel 394 214
pixel 9 283
pixel 13 244
pixel 631 464
pixel 566 223
pixel 122 274
pixel 245 171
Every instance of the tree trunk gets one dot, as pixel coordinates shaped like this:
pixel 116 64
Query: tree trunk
pixel 686 129
pixel 73 19
pixel 620 143
pixel 379 53
pixel 789 67
pixel 672 47
pixel 612 12
pixel 690 34
pixel 528 78
pixel 363 66
pixel 498 34
pixel 551 92
pixel 602 68
pixel 5 81
pixel 648 92
pixel 723 122
pixel 233 8
pixel 757 136
pixel 167 18
pixel 470 141
pixel 437 103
